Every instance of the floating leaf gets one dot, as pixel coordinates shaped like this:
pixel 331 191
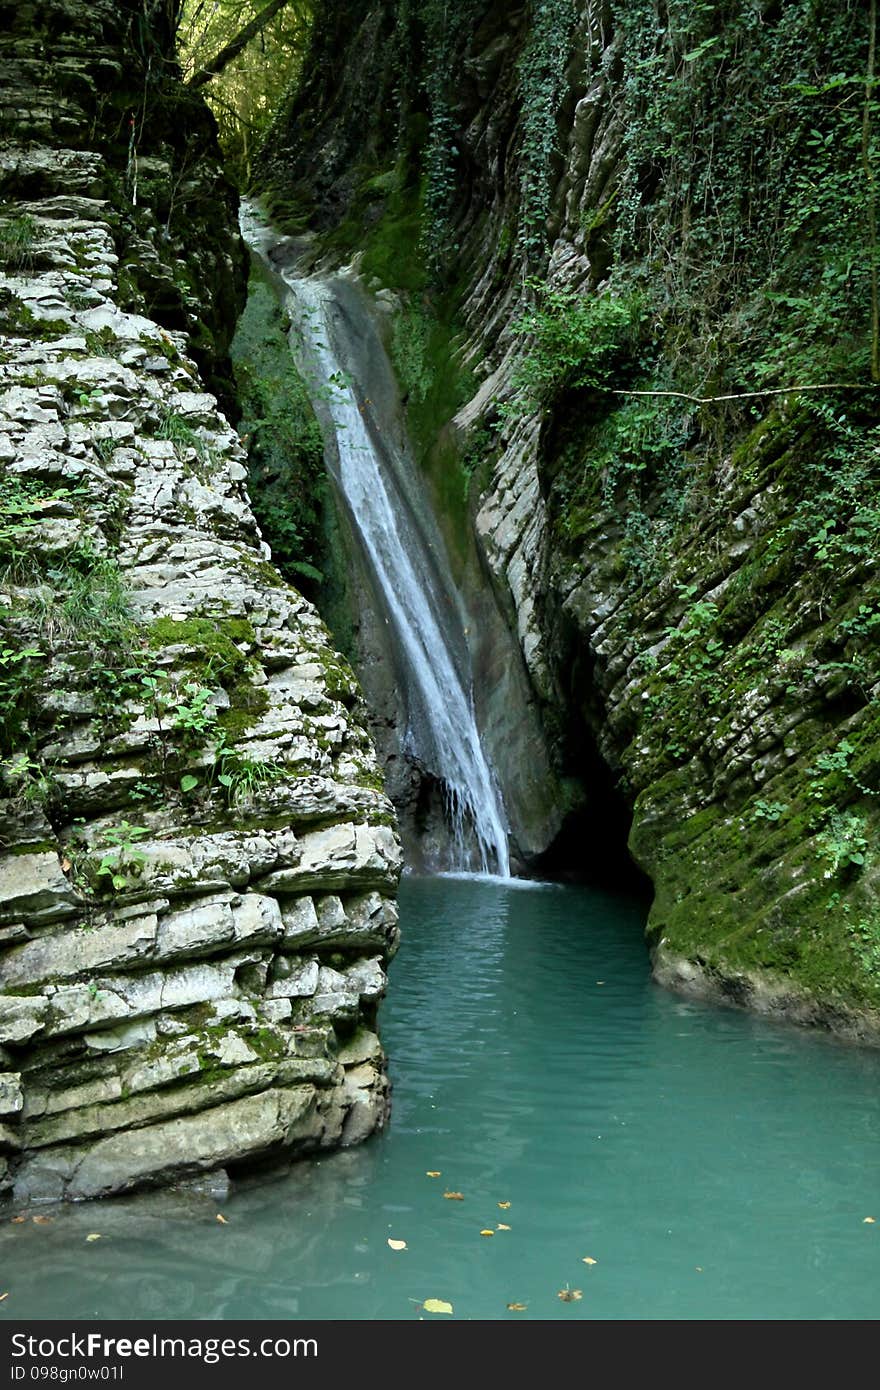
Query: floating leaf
pixel 3 1296
pixel 397 1244
pixel 569 1295
pixel 517 1307
pixel 501 1227
pixel 17 1220
pixel 588 1260
pixel 222 1219
pixel 487 1232
pixel 868 1221
pixel 698 1268
pixel 42 1220
pixel 94 1236
pixel 454 1196
pixel 433 1173
pixel 505 1206
pixel 436 1305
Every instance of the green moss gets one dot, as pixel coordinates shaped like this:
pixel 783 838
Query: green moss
pixel 285 448
pixel 212 643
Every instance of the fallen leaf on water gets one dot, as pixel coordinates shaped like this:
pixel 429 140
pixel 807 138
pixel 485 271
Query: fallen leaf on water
pixel 436 1305
pixel 94 1236
pixel 505 1206
pixel 517 1307
pixel 569 1295
pixel 698 1268
pixel 454 1196
pixel 42 1220
pixel 2 1296
pixel 501 1227
pixel 487 1232
pixel 588 1260
pixel 222 1219
pixel 17 1220
pixel 433 1173
pixel 869 1221
pixel 397 1244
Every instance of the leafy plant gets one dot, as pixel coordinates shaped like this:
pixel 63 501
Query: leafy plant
pixel 119 865
pixel 17 241
pixel 844 843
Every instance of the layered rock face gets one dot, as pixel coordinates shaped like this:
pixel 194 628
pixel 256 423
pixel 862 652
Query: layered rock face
pixel 199 864
pixel 692 578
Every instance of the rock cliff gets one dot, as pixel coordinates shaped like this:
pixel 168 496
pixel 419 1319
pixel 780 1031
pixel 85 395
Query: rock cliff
pixel 642 228
pixel 198 862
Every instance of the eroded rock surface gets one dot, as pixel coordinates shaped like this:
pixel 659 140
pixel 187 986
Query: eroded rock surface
pixel 199 864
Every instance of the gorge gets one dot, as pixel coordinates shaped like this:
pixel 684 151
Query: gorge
pixel 579 302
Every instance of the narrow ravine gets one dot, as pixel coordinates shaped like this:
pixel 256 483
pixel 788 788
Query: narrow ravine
pixel 368 459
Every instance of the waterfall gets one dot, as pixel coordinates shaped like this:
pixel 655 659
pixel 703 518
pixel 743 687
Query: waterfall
pixel 368 464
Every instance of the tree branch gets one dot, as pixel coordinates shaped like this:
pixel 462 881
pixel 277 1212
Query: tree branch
pixel 235 46
pixel 750 395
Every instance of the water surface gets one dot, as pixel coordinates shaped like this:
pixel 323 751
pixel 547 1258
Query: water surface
pixel 712 1164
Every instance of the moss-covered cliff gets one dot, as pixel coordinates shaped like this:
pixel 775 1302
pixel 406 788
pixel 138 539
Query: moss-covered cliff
pixel 645 236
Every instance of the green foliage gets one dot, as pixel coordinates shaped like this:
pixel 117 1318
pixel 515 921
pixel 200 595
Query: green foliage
pixel 576 341
pixel 285 448
pixel 180 432
pixel 541 85
pixel 446 28
pixel 243 779
pixel 246 94
pixel 18 236
pixel 124 861
pixel 743 203
pixel 409 352
pixel 844 842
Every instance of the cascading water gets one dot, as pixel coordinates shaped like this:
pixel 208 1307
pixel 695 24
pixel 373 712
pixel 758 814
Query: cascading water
pixel 442 732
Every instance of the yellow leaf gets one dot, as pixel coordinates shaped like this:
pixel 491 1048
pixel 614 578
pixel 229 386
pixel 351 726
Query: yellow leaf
pixel 222 1219
pixel 505 1206
pixel 588 1260
pixel 869 1221
pixel 2 1296
pixel 436 1305
pixel 66 866
pixel 454 1196
pixel 93 1236
pixel 569 1295
pixel 433 1173
pixel 501 1227
pixel 397 1244
pixel 517 1307
pixel 17 1220
pixel 42 1220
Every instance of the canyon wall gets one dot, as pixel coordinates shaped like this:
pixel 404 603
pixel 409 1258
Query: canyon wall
pixel 198 861
pixel 635 231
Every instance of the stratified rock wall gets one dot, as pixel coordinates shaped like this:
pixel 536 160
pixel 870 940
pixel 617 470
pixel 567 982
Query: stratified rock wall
pixel 199 865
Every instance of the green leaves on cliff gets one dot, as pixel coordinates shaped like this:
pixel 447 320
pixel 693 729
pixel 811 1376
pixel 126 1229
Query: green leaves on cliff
pixel 576 340
pixel 542 86
pixel 246 91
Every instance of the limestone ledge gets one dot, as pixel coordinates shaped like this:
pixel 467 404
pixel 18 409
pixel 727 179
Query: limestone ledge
pixel 204 994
